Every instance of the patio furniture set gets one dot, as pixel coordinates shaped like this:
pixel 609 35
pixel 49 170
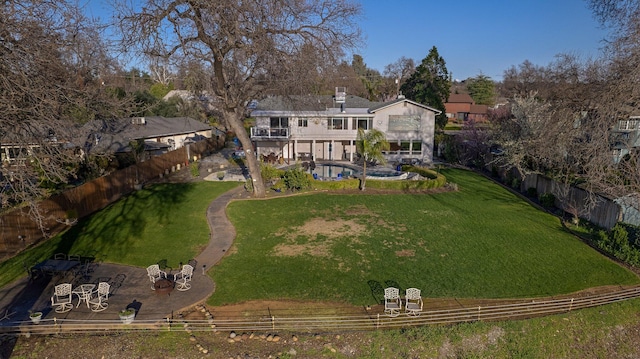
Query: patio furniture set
pixel 393 302
pixel 96 299
pixel 162 283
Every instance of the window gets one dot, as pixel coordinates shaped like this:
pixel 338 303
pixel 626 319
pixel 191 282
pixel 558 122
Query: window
pixel 279 122
pixel 407 147
pixel 338 123
pixel 628 124
pixel 303 122
pixel 363 123
pixel 404 123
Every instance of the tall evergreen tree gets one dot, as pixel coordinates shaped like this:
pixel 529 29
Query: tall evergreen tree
pixel 430 85
pixel 482 90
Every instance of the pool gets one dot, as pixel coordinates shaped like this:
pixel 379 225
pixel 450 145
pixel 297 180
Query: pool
pixel 334 171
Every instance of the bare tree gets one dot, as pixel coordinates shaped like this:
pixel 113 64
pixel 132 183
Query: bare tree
pixel 51 73
pixel 251 47
pixel 399 71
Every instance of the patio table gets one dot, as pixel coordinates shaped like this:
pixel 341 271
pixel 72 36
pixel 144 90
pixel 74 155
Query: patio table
pixel 83 291
pixel 56 265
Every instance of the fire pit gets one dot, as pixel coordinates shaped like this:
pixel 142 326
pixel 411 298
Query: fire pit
pixel 163 286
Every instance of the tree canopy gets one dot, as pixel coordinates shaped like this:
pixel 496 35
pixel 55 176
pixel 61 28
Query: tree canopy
pixel 248 49
pixel 482 90
pixel 430 85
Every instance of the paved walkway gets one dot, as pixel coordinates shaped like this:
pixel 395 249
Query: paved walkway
pixel 130 286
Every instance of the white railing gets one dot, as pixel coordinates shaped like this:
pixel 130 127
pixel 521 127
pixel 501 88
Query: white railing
pixel 264 132
pixel 369 321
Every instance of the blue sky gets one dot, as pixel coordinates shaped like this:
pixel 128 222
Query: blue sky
pixel 472 36
pixel 476 36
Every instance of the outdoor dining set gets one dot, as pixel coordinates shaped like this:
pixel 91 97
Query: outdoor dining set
pixel 393 303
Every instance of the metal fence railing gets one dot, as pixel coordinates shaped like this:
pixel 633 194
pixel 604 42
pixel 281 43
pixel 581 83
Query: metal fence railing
pixel 314 324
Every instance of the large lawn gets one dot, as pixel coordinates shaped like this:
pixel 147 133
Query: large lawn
pixel 481 241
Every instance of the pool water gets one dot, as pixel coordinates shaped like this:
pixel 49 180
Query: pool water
pixel 340 171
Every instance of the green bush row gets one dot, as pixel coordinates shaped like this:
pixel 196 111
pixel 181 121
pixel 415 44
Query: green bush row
pixel 623 242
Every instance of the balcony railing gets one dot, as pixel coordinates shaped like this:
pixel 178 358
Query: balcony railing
pixel 263 132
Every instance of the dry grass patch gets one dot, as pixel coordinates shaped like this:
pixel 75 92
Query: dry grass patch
pixel 320 233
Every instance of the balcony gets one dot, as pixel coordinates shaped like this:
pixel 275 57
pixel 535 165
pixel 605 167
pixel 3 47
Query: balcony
pixel 264 133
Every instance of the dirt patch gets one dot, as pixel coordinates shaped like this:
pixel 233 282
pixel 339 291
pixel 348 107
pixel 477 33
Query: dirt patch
pixel 319 234
pixel 406 253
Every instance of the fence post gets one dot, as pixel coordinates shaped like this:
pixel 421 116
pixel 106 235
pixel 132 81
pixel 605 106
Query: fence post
pixel 273 323
pixel 571 304
pixel 478 313
pixel 378 322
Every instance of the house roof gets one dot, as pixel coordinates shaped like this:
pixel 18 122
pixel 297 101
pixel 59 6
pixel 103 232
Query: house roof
pixel 324 105
pixel 116 136
pixel 479 109
pixel 460 98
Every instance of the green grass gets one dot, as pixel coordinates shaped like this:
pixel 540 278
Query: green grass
pixel 161 222
pixel 602 332
pixel 481 241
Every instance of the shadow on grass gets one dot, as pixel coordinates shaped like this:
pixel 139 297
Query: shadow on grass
pixel 114 229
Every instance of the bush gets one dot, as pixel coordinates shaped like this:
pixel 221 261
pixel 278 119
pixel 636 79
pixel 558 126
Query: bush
pixel 532 192
pixel 195 169
pixel 269 173
pixel 617 243
pixel 296 179
pixel 547 200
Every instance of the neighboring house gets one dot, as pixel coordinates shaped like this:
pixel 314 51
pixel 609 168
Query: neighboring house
pixel 461 107
pixel 159 134
pixel 326 127
pixel 626 138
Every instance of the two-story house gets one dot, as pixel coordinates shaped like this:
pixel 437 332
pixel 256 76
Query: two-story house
pixel 326 127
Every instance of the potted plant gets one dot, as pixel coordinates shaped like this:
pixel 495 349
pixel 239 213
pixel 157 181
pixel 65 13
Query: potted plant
pixel 127 315
pixel 36 317
pixel 221 175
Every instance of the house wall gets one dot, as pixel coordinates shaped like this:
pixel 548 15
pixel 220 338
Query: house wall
pixel 319 141
pixel 425 133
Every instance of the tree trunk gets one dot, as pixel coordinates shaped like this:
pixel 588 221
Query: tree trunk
pixel 363 180
pixel 235 122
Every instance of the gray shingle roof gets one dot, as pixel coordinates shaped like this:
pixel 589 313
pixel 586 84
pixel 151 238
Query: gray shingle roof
pixel 116 136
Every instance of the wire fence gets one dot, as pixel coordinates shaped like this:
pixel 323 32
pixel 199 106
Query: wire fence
pixel 318 324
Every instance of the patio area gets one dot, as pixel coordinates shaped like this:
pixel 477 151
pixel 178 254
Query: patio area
pixel 130 287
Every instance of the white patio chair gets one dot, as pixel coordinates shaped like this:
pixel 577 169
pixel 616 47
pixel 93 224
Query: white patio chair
pixel 183 278
pixel 413 302
pixel 98 300
pixel 155 274
pixel 62 297
pixel 392 302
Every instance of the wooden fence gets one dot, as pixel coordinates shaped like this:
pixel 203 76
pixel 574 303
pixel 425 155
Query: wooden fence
pixel 20 229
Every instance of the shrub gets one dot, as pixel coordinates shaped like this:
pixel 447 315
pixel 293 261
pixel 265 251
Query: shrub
pixel 532 192
pixel 195 169
pixel 547 200
pixel 296 179
pixel 269 173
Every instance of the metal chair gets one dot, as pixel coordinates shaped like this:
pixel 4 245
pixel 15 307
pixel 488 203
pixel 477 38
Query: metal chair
pixel 155 274
pixel 62 297
pixel 413 302
pixel 392 302
pixel 60 256
pixel 183 278
pixel 98 300
pixel 73 257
